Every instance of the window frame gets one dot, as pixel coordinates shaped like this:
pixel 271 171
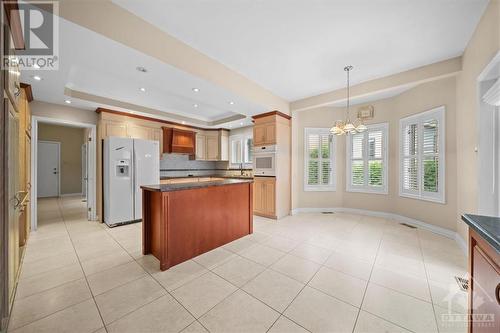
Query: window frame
pixel 366 188
pixel 438 114
pixel 332 187
pixel 242 139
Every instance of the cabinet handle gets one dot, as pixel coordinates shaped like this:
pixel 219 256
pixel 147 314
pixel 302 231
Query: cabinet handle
pixel 497 293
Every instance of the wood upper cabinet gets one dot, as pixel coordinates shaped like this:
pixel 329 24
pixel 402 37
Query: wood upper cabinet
pixel 212 148
pixel 207 146
pixel 264 196
pixel 179 141
pixel 484 290
pixel 114 128
pixel 140 132
pixel 264 134
pixel 201 146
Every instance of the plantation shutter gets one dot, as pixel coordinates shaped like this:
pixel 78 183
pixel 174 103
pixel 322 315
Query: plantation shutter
pixel 423 155
pixel 375 158
pixel 357 162
pixel 367 159
pixel 430 156
pixel 410 158
pixel 319 158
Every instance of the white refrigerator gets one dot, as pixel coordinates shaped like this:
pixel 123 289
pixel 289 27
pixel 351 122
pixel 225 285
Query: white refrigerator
pixel 128 164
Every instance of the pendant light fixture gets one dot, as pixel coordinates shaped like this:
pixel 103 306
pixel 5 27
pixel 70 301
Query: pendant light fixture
pixel 344 127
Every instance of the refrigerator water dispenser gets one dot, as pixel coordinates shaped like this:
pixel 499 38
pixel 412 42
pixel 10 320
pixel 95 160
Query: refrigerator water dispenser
pixel 123 168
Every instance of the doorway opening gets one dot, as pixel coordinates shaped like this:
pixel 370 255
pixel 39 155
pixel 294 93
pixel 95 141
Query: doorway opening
pixel 63 165
pixel 488 92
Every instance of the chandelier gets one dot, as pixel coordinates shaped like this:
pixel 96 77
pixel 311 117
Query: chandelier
pixel 344 127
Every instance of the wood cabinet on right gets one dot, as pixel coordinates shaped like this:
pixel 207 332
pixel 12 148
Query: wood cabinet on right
pixel 264 196
pixel 264 134
pixel 484 290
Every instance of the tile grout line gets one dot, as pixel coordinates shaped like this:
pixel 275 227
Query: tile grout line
pixel 367 284
pixel 168 293
pixel 79 261
pixel 428 283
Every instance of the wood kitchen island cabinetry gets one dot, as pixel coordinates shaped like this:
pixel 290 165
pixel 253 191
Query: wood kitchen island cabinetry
pixel 182 221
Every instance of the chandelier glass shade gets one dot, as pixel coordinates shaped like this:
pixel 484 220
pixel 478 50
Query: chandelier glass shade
pixel 345 127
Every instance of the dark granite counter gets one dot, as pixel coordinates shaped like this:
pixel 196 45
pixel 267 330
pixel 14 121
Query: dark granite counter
pixel 194 185
pixel 488 227
pixel 206 176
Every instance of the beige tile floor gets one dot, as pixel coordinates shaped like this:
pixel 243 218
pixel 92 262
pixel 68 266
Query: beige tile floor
pixel 311 272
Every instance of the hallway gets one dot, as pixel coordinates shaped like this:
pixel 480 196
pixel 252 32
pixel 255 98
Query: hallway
pixel 310 272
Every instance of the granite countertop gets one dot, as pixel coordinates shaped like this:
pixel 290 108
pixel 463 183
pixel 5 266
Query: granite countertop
pixel 207 176
pixel 194 185
pixel 487 227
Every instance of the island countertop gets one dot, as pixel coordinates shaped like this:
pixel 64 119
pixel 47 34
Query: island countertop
pixel 488 227
pixel 194 185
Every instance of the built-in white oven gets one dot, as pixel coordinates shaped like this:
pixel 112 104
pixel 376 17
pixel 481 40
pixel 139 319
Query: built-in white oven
pixel 264 160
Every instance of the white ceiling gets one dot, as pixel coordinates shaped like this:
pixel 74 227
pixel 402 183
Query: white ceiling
pixel 298 48
pixel 99 66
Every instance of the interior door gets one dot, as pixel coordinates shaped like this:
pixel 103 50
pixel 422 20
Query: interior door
pixel 48 169
pixel 84 171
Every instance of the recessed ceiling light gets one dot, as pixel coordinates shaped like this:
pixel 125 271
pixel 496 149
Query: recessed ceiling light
pixel 141 69
pixel 67 101
pixel 195 105
pixel 231 102
pixel 142 89
pixel 196 89
pixel 183 122
pixel 36 77
pixel 241 124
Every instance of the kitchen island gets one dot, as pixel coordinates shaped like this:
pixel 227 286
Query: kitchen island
pixel 184 220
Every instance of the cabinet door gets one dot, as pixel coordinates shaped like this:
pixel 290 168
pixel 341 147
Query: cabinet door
pixel 269 197
pixel 112 128
pixel 270 134
pixel 140 132
pixel 13 195
pixel 258 196
pixel 157 137
pixel 200 147
pixel 485 289
pixel 212 148
pixel 259 135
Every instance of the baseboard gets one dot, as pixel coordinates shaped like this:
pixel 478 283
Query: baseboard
pixel 400 218
pixel 462 243
pixel 71 194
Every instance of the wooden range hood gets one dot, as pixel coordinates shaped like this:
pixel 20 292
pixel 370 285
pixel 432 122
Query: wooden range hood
pixel 179 141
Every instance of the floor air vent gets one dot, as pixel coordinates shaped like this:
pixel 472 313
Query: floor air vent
pixel 408 225
pixel 327 213
pixel 463 284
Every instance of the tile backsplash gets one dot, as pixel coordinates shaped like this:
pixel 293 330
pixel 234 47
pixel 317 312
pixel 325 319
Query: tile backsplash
pixel 182 162
pixel 179 165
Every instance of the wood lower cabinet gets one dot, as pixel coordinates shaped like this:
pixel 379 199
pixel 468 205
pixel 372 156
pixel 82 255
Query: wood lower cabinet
pixel 264 134
pixel 484 290
pixel 264 199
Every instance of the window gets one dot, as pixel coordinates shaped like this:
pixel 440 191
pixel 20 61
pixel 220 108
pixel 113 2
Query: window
pixel 241 147
pixel 367 166
pixel 422 156
pixel 319 160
